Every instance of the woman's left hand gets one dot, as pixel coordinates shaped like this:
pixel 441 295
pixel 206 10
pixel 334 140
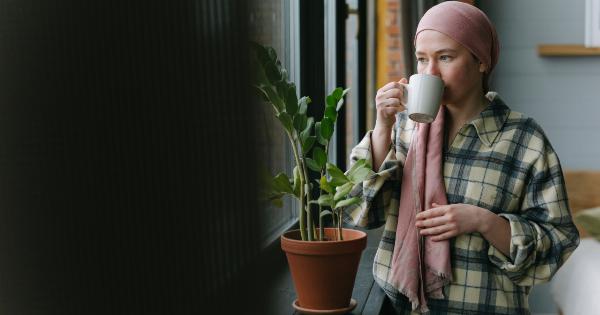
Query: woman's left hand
pixel 444 222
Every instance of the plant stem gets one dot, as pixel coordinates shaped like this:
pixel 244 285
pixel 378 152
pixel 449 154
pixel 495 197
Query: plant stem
pixel 302 181
pixel 321 228
pixel 340 236
pixel 309 219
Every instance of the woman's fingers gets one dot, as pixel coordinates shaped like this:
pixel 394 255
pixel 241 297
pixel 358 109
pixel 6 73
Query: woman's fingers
pixel 391 93
pixel 444 236
pixel 433 212
pixel 435 221
pixel 436 230
pixel 390 102
pixel 389 86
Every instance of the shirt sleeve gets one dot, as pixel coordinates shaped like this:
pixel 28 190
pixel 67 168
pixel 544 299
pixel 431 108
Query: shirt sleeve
pixel 379 192
pixel 543 234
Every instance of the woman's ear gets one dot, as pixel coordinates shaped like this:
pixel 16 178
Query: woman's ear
pixel 482 67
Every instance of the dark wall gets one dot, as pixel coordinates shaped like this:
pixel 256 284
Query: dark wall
pixel 125 173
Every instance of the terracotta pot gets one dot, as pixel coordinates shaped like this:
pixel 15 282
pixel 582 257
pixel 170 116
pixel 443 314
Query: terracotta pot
pixel 324 272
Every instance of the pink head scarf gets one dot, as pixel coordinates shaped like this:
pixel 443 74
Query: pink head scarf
pixel 467 25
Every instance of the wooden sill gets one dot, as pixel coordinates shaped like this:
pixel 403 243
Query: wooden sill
pixel 549 50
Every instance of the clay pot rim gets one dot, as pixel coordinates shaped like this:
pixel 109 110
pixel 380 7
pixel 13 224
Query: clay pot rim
pixel 360 235
pixel 324 248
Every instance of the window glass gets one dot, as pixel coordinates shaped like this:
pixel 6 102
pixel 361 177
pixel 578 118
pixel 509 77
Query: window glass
pixel 351 101
pixel 270 26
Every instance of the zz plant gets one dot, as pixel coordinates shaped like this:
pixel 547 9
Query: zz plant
pixel 310 141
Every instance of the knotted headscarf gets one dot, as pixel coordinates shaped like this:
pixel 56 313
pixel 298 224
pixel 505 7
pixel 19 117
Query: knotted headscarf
pixel 467 25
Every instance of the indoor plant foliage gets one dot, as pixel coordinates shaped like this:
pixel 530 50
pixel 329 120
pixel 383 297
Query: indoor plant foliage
pixel 310 141
pixel 311 256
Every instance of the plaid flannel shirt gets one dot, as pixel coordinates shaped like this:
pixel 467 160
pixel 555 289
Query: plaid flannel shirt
pixel 500 161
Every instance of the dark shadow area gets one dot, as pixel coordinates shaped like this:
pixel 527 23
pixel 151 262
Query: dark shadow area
pixel 126 162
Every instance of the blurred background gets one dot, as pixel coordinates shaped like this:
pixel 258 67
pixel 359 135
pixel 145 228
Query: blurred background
pixel 130 138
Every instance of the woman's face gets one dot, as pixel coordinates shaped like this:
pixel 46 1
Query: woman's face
pixel 440 55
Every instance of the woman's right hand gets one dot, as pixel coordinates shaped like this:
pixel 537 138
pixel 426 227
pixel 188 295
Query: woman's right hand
pixel 389 102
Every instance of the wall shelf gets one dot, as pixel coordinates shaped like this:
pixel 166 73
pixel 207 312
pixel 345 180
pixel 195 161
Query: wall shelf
pixel 550 50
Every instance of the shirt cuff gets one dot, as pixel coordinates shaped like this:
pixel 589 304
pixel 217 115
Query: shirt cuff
pixel 522 246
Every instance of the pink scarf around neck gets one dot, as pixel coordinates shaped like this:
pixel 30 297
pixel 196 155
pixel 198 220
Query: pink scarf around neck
pixel 421 267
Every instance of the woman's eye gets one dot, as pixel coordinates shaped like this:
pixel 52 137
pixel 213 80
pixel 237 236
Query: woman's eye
pixel 445 58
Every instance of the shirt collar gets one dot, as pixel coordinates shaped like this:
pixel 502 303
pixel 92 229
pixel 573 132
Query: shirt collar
pixel 490 121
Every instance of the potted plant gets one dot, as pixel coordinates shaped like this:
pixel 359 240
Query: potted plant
pixel 323 260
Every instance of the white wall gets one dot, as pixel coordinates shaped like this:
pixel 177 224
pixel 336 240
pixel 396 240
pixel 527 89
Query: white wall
pixel 561 93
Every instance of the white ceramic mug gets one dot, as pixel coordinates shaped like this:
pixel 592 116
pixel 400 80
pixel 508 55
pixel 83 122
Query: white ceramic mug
pixel 422 97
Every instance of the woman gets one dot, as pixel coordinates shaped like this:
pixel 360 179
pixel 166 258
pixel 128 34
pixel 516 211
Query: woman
pixel 502 222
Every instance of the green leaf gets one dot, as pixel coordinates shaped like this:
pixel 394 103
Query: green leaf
pixel 272 72
pixel 312 164
pixel 326 200
pixel 281 87
pixel 345 92
pixel 326 128
pixel 341 101
pixel 337 93
pixel 337 176
pixel 325 212
pixel 263 93
pixel 286 121
pixel 281 183
pixel 306 132
pixel 291 100
pixel 320 156
pixel 330 101
pixel 320 138
pixel 358 164
pixel 308 144
pixel 331 113
pixel 296 182
pixel 342 191
pixel 260 51
pixel 300 122
pixel 348 202
pixel 274 98
pixel 271 54
pixel 260 76
pixel 360 174
pixel 324 184
pixel 303 104
pixel 359 171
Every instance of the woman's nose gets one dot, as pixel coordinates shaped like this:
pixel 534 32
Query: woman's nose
pixel 433 69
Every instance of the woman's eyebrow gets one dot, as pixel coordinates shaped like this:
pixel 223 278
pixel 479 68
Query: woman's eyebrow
pixel 441 51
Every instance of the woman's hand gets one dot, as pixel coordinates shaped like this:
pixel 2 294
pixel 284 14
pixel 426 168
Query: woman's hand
pixel 389 102
pixel 444 222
